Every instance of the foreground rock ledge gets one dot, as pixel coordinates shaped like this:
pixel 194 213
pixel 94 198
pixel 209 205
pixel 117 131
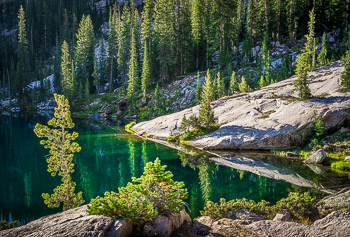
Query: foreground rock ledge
pixel 268 118
pixel 74 222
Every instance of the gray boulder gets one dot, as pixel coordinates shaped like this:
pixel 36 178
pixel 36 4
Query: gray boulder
pixel 164 225
pixel 282 216
pixel 75 222
pixel 317 157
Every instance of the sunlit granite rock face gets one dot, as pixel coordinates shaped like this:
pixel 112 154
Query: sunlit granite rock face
pixel 269 118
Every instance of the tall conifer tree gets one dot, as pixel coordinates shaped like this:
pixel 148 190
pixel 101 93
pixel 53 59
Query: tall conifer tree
pixel 66 82
pixel 84 52
pixel 206 113
pixel 23 69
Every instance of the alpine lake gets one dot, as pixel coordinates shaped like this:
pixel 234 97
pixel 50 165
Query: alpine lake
pixel 110 157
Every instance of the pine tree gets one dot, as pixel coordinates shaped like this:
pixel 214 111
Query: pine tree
pixel 112 44
pixel 305 61
pixel 267 68
pixel 124 38
pixel 62 150
pixel 262 82
pixel 84 52
pixel 65 27
pixel 146 24
pixel 322 56
pixel 233 83
pixel 197 25
pixel 133 82
pixel 206 113
pixel 74 82
pixel 157 97
pixel 198 89
pixel 23 69
pixel 243 86
pixel 145 76
pixel 220 87
pixel 346 73
pixel 302 68
pixel 66 82
pixel 74 29
pixel 96 76
pixel 346 37
pixel 164 27
pixel 86 90
pixel 311 38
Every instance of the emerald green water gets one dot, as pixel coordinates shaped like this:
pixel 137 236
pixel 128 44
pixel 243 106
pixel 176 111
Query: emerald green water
pixel 109 158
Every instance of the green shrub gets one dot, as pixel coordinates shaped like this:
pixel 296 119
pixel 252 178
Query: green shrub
pixel 4 225
pixel 341 165
pixel 218 210
pixel 302 207
pixel 142 200
pixel 128 126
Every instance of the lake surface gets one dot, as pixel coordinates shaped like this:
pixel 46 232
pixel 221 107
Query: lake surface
pixel 110 157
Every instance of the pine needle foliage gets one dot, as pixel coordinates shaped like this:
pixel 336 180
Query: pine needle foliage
pixel 322 56
pixel 233 83
pixel 198 89
pixel 60 161
pixel 243 86
pixel 346 73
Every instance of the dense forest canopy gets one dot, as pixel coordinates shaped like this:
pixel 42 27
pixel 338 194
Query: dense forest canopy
pixel 96 46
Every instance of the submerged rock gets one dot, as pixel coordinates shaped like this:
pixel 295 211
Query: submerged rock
pixel 74 222
pixel 317 157
pixel 269 118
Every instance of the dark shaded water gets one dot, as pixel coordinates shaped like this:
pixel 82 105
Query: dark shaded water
pixel 109 158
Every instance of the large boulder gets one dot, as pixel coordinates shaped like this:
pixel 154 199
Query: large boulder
pixel 164 225
pixel 75 222
pixel 317 157
pixel 269 118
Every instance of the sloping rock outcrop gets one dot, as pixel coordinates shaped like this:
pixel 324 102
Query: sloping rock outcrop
pixel 335 224
pixel 74 222
pixel 340 200
pixel 269 118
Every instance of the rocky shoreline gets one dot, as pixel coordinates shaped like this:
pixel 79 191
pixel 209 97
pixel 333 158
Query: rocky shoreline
pixel 240 222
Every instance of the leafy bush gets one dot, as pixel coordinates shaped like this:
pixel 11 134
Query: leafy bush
pixel 128 126
pixel 218 210
pixel 302 207
pixel 4 225
pixel 341 165
pixel 141 201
